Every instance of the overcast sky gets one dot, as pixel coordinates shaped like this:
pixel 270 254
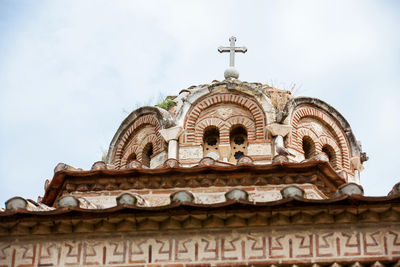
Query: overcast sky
pixel 71 71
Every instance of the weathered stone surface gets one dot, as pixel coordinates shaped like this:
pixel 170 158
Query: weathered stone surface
pixel 237 194
pixel 245 160
pixel 259 149
pixel 280 158
pixel 171 163
pixel 356 163
pixel 292 191
pixel 279 129
pixel 231 73
pixel 182 196
pixel 395 190
pixel 126 199
pixel 158 160
pixel 16 203
pixel 192 152
pixel 212 154
pixel 172 133
pixel 62 166
pixel 207 161
pixel 68 202
pixel 99 165
pixel 350 189
pixel 261 193
pixel 133 165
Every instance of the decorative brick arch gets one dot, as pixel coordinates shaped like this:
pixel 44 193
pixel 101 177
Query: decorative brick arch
pixel 149 139
pixel 246 123
pixel 218 123
pixel 142 121
pixel 324 140
pixel 309 111
pixel 134 149
pixel 139 123
pixel 241 100
pixel 297 141
pixel 224 128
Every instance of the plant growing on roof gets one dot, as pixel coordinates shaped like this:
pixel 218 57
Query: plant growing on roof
pixel 167 103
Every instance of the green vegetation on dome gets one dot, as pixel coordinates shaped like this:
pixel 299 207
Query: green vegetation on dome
pixel 167 103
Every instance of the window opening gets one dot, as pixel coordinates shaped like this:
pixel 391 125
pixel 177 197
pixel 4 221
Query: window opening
pixel 238 155
pixel 308 147
pixel 147 153
pixel 211 142
pixel 131 158
pixel 330 152
pixel 238 142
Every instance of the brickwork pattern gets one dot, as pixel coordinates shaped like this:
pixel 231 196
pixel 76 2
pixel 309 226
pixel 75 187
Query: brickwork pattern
pixel 337 140
pixel 137 148
pixel 254 122
pixel 224 125
pixel 125 147
pixel 319 142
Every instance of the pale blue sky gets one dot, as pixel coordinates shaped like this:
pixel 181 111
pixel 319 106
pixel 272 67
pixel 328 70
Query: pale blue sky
pixel 70 71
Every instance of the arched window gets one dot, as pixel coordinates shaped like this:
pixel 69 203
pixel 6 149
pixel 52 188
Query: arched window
pixel 211 142
pixel 131 158
pixel 330 152
pixel 146 154
pixel 308 147
pixel 238 141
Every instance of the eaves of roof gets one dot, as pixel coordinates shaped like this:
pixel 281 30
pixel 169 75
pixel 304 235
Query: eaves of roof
pixel 292 211
pixel 166 177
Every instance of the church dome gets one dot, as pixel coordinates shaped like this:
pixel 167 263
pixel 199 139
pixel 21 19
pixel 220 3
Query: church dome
pixel 229 119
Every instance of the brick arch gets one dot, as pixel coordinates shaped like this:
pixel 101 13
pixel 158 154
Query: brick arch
pixel 309 111
pixel 324 140
pixel 241 100
pixel 140 122
pixel 338 156
pixel 149 119
pixel 297 141
pixel 246 123
pixel 201 126
pixel 149 139
pixel 129 151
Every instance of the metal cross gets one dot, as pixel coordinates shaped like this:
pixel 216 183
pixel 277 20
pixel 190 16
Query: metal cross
pixel 232 49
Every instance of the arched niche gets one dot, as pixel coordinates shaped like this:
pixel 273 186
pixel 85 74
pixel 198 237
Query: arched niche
pixel 322 128
pixel 238 141
pixel 308 146
pixel 211 142
pixel 330 152
pixel 143 123
pixel 223 110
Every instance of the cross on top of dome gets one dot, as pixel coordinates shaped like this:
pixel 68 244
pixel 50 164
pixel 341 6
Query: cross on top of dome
pixel 231 72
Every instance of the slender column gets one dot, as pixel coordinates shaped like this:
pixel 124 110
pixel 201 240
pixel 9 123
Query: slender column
pixel 171 136
pixel 173 149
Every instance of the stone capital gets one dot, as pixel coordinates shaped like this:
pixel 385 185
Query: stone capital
pixel 172 133
pixel 279 129
pixel 356 162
